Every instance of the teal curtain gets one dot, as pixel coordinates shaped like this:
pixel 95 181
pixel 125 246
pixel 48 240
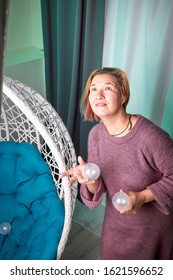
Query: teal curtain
pixel 4 4
pixel 73 44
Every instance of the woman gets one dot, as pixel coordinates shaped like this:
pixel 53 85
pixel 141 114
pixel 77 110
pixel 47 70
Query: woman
pixel 135 156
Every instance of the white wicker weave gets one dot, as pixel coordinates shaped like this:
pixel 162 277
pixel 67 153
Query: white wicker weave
pixel 27 116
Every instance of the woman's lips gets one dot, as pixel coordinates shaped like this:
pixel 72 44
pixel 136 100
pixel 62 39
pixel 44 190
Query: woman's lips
pixel 100 104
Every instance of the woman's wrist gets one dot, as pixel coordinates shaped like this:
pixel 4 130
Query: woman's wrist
pixel 146 196
pixel 93 187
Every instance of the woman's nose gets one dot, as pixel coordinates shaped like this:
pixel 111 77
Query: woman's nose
pixel 100 94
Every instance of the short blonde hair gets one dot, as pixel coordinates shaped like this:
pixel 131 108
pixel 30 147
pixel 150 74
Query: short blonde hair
pixel 123 85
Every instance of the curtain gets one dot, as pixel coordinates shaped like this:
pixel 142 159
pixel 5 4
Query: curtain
pixel 3 31
pixel 140 42
pixel 72 50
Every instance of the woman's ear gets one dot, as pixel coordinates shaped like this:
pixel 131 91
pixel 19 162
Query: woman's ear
pixel 123 99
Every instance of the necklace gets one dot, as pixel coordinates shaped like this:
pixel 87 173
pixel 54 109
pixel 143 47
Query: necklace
pixel 129 122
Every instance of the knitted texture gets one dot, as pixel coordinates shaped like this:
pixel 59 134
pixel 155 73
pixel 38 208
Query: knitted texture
pixel 141 159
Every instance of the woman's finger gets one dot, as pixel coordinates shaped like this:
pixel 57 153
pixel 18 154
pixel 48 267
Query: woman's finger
pixel 81 161
pixel 71 181
pixel 68 172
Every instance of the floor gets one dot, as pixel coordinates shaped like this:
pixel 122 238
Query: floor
pixel 82 244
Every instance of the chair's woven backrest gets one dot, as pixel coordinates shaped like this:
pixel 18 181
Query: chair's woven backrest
pixel 27 116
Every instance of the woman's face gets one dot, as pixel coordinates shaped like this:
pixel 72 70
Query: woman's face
pixel 104 97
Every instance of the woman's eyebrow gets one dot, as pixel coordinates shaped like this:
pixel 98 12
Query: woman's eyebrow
pixel 92 85
pixel 107 83
pixel 110 83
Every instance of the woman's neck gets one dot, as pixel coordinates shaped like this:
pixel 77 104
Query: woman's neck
pixel 119 125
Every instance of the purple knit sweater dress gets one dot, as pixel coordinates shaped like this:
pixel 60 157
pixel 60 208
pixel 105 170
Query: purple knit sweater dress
pixel 141 159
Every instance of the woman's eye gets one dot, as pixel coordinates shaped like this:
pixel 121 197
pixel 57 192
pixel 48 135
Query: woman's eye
pixel 108 88
pixel 92 89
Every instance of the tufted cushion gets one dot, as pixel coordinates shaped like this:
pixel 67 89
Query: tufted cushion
pixel 29 202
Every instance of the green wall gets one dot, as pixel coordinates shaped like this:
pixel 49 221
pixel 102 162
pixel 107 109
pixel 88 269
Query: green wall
pixel 24 59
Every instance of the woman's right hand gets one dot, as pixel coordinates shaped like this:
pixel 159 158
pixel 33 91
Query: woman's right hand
pixel 76 174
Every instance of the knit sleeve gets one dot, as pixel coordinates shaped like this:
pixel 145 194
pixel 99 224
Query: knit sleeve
pixel 89 199
pixel 92 200
pixel 163 189
pixel 162 160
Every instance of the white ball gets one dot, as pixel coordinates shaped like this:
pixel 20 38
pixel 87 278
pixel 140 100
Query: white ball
pixel 91 171
pixel 5 228
pixel 120 200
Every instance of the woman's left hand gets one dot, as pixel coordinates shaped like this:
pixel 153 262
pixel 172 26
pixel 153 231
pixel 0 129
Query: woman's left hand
pixel 137 199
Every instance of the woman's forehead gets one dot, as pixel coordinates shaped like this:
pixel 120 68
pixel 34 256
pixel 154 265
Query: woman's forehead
pixel 104 79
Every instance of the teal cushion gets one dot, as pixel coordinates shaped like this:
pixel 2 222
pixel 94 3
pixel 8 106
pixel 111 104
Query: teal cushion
pixel 30 203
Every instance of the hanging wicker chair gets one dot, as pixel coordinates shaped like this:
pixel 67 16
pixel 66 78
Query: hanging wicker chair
pixel 27 117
